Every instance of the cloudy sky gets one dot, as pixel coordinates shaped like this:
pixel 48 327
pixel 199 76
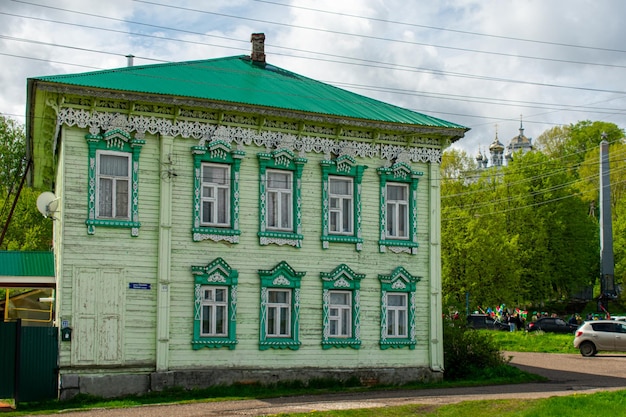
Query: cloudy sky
pixel 480 63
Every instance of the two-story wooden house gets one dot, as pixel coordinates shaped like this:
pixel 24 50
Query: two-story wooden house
pixel 226 220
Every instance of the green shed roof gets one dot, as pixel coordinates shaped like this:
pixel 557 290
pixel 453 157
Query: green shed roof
pixel 238 80
pixel 27 269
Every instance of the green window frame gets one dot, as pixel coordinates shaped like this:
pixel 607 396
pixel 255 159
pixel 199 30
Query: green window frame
pixel 274 162
pixel 281 280
pixel 216 153
pixel 400 285
pixel 216 275
pixel 115 142
pixel 400 174
pixel 343 167
pixel 341 281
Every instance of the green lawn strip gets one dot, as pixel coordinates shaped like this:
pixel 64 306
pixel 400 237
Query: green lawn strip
pixel 576 405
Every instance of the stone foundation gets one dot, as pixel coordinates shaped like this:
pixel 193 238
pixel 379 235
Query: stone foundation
pixel 118 385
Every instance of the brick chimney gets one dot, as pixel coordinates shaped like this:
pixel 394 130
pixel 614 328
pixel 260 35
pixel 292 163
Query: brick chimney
pixel 258 48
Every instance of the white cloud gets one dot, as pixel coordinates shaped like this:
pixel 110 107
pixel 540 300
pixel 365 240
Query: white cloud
pixel 394 52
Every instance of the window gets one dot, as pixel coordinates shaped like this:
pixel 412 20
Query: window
pixel 280 308
pixel 215 195
pixel 214 311
pixel 113 185
pixel 341 308
pixel 397 315
pixel 278 313
pixel 341 206
pixel 280 204
pixel 215 306
pixel 113 178
pixel 340 314
pixel 398 208
pixel 397 211
pixel 216 192
pixel 341 201
pixel 279 200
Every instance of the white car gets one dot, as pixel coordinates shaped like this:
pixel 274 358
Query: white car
pixel 595 335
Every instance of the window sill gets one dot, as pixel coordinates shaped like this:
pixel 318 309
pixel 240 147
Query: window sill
pixel 341 343
pixel 280 238
pixel 213 343
pixel 326 239
pixel 397 344
pixel 215 234
pixel 92 223
pixel 277 343
pixel 398 246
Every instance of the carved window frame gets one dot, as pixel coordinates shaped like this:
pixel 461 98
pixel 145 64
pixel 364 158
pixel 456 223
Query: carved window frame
pixel 343 166
pixel 282 276
pixel 281 159
pixel 341 278
pixel 216 273
pixel 402 173
pixel 114 141
pixel 399 281
pixel 216 152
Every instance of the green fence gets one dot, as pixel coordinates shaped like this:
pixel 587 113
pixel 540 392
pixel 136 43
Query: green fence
pixel 28 362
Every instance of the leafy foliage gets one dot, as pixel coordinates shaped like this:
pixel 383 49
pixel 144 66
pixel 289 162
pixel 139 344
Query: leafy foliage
pixel 27 228
pixel 468 353
pixel 528 232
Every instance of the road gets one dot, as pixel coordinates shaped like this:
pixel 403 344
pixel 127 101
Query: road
pixel 567 375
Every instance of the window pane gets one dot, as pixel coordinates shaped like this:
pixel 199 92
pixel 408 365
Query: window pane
pixel 281 180
pixel 340 186
pixel 206 319
pixel 285 211
pixel 113 165
pixel 105 197
pixel 215 175
pixel 272 210
pixel 396 299
pixel 222 206
pixel 340 298
pixel 396 192
pixel 284 321
pixel 220 294
pixel 278 296
pixel 207 212
pixel 220 320
pixel 121 198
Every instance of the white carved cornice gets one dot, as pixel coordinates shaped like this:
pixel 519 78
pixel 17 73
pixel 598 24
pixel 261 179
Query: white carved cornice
pixel 241 136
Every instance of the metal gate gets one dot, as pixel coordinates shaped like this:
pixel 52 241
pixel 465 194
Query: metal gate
pixel 29 368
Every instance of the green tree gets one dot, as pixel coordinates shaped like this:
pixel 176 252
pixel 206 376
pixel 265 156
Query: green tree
pixel 12 153
pixel 27 229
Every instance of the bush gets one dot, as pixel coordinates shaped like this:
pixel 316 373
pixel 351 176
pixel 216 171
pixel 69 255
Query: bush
pixel 468 353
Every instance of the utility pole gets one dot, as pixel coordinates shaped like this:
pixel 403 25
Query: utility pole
pixel 607 264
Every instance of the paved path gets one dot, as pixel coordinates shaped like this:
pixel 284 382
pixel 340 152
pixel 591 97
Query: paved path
pixel 567 375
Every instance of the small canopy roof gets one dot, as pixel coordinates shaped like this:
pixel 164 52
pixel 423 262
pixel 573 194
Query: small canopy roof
pixel 27 269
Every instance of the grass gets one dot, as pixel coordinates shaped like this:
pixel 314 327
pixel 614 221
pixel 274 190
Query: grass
pixel 577 405
pixel 612 403
pixel 534 342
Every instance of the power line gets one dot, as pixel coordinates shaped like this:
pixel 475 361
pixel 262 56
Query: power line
pixel 463 32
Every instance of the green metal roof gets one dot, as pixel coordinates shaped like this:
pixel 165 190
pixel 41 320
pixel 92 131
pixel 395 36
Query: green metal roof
pixel 238 80
pixel 26 264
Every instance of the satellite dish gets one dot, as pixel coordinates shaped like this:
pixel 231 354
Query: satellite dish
pixel 47 203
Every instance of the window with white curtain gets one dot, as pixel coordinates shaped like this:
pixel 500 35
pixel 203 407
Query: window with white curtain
pixel 279 200
pixel 113 179
pixel 215 197
pixel 341 205
pixel 397 204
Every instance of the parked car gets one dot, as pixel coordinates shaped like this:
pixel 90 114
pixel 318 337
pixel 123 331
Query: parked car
pixel 595 335
pixel 551 325
pixel 484 321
